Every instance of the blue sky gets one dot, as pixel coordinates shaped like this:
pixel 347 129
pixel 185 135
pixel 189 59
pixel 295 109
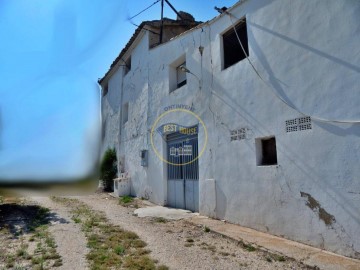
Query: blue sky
pixel 52 53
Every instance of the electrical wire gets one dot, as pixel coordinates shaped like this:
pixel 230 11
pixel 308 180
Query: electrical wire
pixel 274 92
pixel 144 10
pixel 134 24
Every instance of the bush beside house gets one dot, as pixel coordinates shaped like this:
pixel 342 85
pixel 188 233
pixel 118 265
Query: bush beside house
pixel 108 169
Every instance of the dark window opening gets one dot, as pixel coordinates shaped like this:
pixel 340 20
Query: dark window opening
pixel 128 65
pixel 233 52
pixel 268 152
pixel 125 113
pixel 180 76
pixel 181 84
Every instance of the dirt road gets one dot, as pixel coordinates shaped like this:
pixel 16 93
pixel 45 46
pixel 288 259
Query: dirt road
pixel 181 245
pixel 168 244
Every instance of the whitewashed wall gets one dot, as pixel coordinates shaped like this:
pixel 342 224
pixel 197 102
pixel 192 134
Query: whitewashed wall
pixel 309 55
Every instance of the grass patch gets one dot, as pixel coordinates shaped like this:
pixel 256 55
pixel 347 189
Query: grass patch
pixel 249 247
pixel 34 228
pixel 279 258
pixel 125 200
pixel 119 250
pixel 76 219
pixel 160 220
pixel 110 246
pixel 206 229
pixel 21 252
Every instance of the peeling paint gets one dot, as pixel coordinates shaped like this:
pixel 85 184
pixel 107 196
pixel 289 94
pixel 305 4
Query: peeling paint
pixel 316 207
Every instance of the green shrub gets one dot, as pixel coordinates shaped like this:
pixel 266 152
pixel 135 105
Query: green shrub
pixel 108 169
pixel 125 200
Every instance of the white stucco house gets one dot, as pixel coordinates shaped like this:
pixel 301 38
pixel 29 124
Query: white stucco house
pixel 273 124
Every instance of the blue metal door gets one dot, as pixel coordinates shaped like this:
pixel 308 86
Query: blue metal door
pixel 183 174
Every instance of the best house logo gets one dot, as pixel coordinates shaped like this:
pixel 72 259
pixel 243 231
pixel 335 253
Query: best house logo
pixel 163 128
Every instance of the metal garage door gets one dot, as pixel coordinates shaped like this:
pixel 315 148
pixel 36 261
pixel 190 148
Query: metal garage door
pixel 183 180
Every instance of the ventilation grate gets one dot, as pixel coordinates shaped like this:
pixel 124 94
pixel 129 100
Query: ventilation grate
pixel 298 124
pixel 238 134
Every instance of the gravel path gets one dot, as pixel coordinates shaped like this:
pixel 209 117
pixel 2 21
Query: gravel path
pixel 71 242
pixel 182 245
pixel 176 244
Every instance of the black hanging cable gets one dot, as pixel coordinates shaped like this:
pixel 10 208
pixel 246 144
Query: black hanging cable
pixel 144 10
pixel 162 22
pixel 134 24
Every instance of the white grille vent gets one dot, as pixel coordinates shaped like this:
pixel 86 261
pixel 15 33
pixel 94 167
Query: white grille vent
pixel 238 134
pixel 298 124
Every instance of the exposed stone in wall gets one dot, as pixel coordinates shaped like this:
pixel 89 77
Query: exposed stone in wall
pixel 316 207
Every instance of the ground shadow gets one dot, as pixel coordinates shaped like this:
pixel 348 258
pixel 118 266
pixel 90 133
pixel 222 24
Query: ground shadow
pixel 19 219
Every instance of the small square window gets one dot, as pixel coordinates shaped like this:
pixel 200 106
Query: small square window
pixel 266 151
pixel 125 113
pixel 232 50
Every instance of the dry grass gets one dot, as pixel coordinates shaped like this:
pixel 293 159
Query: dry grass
pixel 24 236
pixel 110 246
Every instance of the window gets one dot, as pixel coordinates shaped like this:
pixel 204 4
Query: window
pixel 125 113
pixel 232 51
pixel 105 89
pixel 266 151
pixel 127 65
pixel 177 77
pixel 180 76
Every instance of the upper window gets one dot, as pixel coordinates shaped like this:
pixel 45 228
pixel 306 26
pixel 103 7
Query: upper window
pixel 125 116
pixel 177 76
pixel 232 50
pixel 180 76
pixel 127 65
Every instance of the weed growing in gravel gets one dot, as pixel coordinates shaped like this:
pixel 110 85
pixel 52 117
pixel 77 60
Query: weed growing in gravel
pixel 119 250
pixel 249 247
pixel 279 258
pixel 110 246
pixel 34 229
pixel 206 229
pixel 19 267
pixel 125 200
pixel 160 220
